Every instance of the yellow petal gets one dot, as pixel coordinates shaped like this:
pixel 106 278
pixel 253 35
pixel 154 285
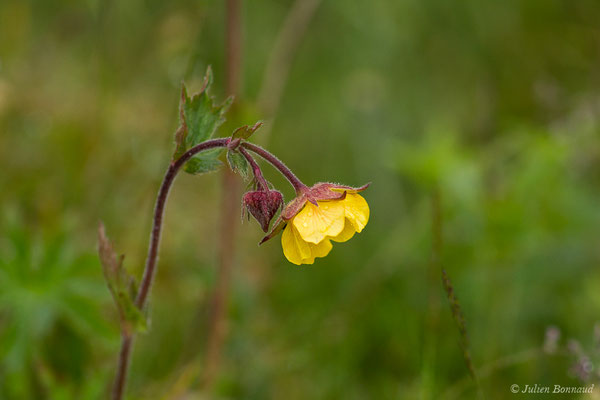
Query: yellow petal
pixel 357 210
pixel 294 248
pixel 316 223
pixel 321 249
pixel 297 251
pixel 318 250
pixel 347 233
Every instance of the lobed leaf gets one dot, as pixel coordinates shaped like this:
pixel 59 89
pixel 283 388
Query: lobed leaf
pixel 198 116
pixel 121 285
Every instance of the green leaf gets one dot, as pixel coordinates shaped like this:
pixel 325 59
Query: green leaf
pixel 207 161
pixel 244 132
pixel 199 117
pixel 121 285
pixel 238 163
pixel 135 320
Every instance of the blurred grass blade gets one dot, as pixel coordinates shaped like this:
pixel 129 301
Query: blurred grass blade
pixel 462 327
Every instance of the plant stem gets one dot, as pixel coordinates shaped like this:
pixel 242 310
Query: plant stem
pixel 262 183
pixel 151 260
pixel 123 366
pixel 278 164
pixel 163 193
pixel 127 338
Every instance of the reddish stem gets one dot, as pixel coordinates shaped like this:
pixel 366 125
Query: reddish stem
pixel 262 183
pixel 150 268
pixel 279 165
pixel 152 258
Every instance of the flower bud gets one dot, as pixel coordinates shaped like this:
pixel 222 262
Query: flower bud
pixel 263 205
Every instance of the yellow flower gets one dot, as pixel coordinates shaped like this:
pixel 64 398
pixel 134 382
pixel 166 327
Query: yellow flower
pixel 318 215
pixel 309 233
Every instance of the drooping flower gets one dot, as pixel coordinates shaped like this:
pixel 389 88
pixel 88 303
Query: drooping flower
pixel 323 213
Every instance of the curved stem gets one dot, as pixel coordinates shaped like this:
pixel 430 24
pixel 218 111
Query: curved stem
pixel 262 183
pixel 161 200
pixel 151 260
pixel 277 163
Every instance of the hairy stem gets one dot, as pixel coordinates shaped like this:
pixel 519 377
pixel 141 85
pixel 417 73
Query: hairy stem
pixel 152 258
pixel 123 366
pixel 279 165
pixel 161 200
pixel 262 183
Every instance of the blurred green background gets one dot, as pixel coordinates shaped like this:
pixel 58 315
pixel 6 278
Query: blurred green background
pixel 494 105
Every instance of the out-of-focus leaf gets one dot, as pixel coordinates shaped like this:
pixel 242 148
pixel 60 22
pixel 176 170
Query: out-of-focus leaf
pixel 238 163
pixel 199 117
pixel 121 285
pixel 244 132
pixel 46 284
pixel 207 161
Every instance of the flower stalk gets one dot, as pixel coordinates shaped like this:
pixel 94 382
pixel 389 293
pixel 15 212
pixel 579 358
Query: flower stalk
pixel 163 193
pixel 299 187
pixel 260 179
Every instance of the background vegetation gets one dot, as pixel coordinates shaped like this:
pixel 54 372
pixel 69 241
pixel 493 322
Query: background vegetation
pixel 493 105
